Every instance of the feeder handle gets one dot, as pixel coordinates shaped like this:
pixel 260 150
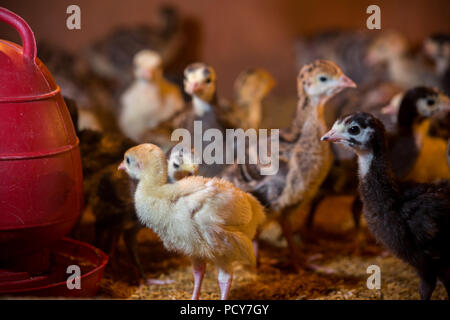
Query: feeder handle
pixel 25 32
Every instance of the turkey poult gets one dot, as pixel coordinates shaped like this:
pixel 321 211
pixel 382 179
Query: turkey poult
pixel 437 47
pixel 112 205
pixel 250 89
pixel 150 100
pixel 403 67
pixel 411 219
pixel 209 220
pixel 200 84
pixel 303 161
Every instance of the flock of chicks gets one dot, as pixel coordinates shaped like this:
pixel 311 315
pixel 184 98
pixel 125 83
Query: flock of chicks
pixel 215 213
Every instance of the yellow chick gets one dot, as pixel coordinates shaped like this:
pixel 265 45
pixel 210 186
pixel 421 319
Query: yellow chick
pixel 209 220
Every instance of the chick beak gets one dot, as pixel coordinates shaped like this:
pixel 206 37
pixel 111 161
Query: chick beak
pixel 388 109
pixel 121 166
pixel 196 87
pixel 332 136
pixel 346 82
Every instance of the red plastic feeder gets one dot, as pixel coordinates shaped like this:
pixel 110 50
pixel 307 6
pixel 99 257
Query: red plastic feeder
pixel 40 166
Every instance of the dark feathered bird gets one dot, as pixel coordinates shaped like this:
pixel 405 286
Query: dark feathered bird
pixel 448 153
pixel 417 107
pixel 412 220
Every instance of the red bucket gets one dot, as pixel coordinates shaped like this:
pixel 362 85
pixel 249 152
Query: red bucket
pixel 40 166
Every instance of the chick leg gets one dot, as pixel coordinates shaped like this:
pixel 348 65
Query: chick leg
pixel 298 260
pixel 130 238
pixel 312 211
pixel 225 276
pixel 199 268
pixel 357 207
pixel 427 285
pixel 255 243
pixel 446 283
pixel 289 236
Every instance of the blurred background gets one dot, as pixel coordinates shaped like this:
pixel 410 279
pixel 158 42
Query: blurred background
pixel 94 68
pixel 231 35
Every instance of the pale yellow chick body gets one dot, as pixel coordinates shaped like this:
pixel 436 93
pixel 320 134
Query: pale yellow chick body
pixel 209 220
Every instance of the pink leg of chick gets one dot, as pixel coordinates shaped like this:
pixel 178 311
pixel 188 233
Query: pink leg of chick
pixel 198 268
pixel 225 276
pixel 255 243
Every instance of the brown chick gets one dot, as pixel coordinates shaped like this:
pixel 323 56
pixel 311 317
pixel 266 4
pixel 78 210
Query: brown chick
pixel 250 88
pixel 303 161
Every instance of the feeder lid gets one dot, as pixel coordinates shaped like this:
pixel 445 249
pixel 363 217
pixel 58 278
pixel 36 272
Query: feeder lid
pixel 23 77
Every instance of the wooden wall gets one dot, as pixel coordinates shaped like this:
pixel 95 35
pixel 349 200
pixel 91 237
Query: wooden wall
pixel 235 34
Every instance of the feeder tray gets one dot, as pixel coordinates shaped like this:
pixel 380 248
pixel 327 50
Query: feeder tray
pixel 65 252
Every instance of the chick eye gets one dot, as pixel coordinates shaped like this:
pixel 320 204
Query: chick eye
pixel 127 159
pixel 323 79
pixel 176 165
pixel 208 80
pixel 354 130
pixel 430 102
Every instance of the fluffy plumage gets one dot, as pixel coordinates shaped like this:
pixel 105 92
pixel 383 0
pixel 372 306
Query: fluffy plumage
pixel 150 100
pixel 411 219
pixel 113 204
pixel 206 219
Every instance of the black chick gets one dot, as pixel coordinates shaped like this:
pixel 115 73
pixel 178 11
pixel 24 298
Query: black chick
pixel 98 151
pixel 411 219
pixel 417 106
pixel 448 153
pixel 113 208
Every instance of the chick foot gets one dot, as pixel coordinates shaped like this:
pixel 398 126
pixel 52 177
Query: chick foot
pixel 157 282
pixel 199 268
pixel 224 278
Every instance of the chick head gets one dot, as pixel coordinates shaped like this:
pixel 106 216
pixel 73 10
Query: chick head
pixel 421 103
pixel 200 81
pixel 148 65
pixel 322 79
pixel 437 47
pixel 253 84
pixel 387 46
pixel 181 163
pixel 362 132
pixel 144 159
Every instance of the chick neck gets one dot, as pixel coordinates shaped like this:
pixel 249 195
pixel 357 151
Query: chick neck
pixel 306 107
pixel 202 105
pixel 154 176
pixel 378 186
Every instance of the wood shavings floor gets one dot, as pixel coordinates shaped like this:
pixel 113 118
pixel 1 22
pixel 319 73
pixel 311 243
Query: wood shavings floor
pixel 332 242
